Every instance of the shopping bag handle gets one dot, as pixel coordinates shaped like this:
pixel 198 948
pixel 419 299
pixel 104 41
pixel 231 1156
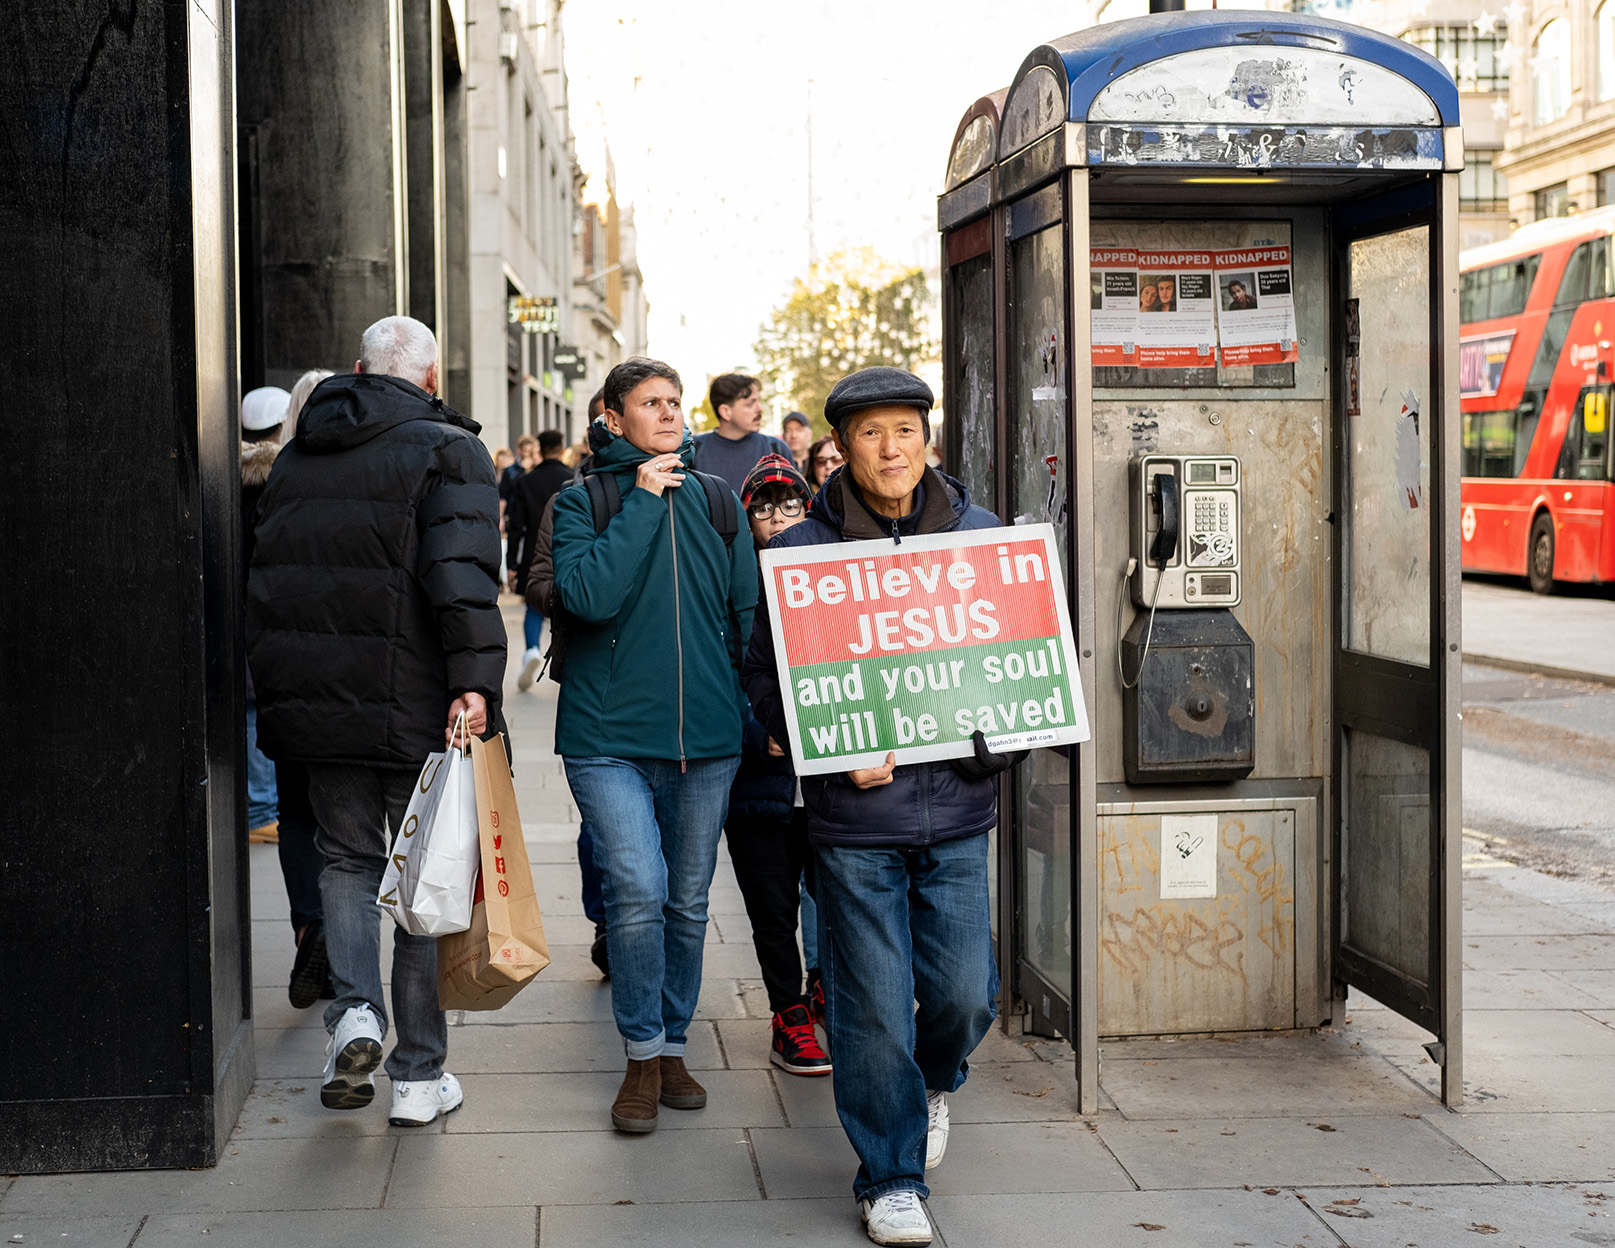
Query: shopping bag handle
pixel 462 732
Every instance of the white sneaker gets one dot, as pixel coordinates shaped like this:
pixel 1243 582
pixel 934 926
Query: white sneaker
pixel 936 1135
pixel 896 1218
pixel 530 661
pixel 351 1056
pixel 417 1103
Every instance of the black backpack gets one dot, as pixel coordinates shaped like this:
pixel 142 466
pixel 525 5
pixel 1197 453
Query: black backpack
pixel 605 501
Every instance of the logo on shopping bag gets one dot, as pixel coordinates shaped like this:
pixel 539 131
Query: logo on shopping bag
pixel 411 825
pixel 494 815
pixel 429 772
pixel 504 889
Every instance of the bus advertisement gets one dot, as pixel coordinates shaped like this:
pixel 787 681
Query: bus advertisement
pixel 1535 379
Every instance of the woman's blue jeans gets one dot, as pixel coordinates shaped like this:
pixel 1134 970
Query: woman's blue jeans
pixel 655 829
pixel 900 926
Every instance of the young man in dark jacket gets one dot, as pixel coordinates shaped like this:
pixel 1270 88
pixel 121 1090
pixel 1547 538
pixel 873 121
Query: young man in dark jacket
pixel 900 852
pixel 650 716
pixel 372 624
pixel 524 510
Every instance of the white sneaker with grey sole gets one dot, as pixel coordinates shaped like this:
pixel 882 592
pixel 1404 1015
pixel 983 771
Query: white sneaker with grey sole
pixel 530 662
pixel 936 1134
pixel 896 1218
pixel 419 1102
pixel 351 1056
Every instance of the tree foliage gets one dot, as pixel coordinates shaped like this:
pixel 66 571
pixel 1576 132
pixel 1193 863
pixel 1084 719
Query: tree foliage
pixel 851 311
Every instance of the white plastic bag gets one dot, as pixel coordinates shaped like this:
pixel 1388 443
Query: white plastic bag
pixel 431 875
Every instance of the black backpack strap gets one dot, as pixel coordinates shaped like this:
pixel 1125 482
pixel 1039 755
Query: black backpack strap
pixel 605 498
pixel 720 505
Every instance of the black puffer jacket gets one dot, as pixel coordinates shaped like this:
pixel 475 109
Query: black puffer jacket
pixel 374 595
pixel 925 802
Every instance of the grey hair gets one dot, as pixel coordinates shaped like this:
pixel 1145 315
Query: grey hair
pixel 300 392
pixel 398 346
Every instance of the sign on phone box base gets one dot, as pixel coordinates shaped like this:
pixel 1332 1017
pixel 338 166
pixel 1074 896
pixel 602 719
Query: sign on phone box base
pixel 915 647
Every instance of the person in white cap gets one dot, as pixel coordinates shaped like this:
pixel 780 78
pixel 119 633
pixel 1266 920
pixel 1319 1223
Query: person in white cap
pixel 263 416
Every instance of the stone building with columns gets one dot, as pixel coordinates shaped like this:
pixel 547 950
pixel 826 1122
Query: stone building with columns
pixel 1560 155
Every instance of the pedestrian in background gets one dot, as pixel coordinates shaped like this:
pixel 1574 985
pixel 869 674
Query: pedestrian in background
pixel 767 823
pixel 650 715
pixel 300 859
pixel 263 418
pixel 798 435
pixel 732 450
pixel 523 515
pixel 541 597
pixel 900 853
pixel 373 624
pixel 823 459
pixel 526 457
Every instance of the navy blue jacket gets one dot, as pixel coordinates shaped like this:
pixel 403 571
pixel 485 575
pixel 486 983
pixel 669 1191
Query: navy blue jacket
pixel 925 802
pixel 764 786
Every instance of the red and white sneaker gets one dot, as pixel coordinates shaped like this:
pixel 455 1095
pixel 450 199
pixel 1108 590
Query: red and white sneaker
pixel 816 998
pixel 796 1046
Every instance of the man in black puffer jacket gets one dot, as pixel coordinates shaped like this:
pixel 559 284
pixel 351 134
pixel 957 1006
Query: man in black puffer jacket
pixel 900 852
pixel 373 623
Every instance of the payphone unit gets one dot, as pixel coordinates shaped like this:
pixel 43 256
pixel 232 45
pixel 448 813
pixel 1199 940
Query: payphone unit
pixel 1186 531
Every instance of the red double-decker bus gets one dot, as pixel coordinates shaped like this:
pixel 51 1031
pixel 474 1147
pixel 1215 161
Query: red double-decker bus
pixel 1538 313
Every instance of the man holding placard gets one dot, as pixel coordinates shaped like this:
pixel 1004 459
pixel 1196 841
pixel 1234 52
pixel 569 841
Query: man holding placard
pixel 900 849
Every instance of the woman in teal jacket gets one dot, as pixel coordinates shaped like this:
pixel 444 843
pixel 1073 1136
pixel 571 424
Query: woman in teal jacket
pixel 651 713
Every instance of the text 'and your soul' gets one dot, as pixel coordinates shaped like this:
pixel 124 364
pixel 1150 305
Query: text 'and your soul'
pixel 920 628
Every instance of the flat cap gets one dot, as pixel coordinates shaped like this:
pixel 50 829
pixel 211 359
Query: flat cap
pixel 876 387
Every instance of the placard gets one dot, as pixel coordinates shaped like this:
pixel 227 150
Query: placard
pixel 1177 310
pixel 1113 306
pixel 1188 856
pixel 1256 306
pixel 913 647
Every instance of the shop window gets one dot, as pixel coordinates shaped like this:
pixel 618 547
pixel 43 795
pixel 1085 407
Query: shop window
pixel 1553 201
pixel 1550 74
pixel 1470 57
pixel 1480 187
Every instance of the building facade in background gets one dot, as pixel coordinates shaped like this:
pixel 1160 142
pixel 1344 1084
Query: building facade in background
pixel 1561 136
pixel 523 176
pixel 608 294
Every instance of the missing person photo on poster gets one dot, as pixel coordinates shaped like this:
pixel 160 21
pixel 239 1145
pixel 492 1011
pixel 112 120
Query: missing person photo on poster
pixel 1113 318
pixel 1177 287
pixel 1256 307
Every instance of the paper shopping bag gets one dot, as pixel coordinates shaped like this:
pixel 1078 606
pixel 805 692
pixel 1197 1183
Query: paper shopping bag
pixel 504 948
pixel 432 871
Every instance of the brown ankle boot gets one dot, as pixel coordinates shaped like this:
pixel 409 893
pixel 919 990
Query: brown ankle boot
pixel 679 1088
pixel 635 1106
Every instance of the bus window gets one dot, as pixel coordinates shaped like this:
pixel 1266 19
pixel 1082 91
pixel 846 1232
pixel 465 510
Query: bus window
pixel 1586 275
pixel 1525 427
pixel 1489 442
pixel 1499 290
pixel 1589 434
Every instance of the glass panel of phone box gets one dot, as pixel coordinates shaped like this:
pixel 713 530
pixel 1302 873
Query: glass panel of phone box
pixel 1192 304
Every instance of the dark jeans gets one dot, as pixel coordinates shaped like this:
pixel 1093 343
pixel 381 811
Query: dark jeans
pixel 769 856
pixel 594 898
pixel 356 807
pixel 300 858
pixel 900 928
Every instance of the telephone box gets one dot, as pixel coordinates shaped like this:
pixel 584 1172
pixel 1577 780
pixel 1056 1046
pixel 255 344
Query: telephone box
pixel 1247 443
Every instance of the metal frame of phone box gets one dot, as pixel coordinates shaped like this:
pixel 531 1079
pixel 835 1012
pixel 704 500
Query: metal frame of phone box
pixel 841 553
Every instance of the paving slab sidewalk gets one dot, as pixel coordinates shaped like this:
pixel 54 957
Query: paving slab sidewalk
pixel 1564 634
pixel 1326 1138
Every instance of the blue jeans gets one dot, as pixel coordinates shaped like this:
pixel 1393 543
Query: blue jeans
pixel 532 629
pixel 655 832
pixel 356 806
pixel 594 901
pixel 261 805
pixel 896 927
pixel 810 928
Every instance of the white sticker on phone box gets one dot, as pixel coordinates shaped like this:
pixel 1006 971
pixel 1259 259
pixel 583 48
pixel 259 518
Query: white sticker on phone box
pixel 1188 856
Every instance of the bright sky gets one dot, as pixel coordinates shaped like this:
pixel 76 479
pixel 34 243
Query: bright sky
pixel 705 106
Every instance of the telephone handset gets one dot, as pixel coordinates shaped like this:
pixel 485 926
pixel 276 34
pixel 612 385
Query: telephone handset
pixel 1164 503
pixel 1186 531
